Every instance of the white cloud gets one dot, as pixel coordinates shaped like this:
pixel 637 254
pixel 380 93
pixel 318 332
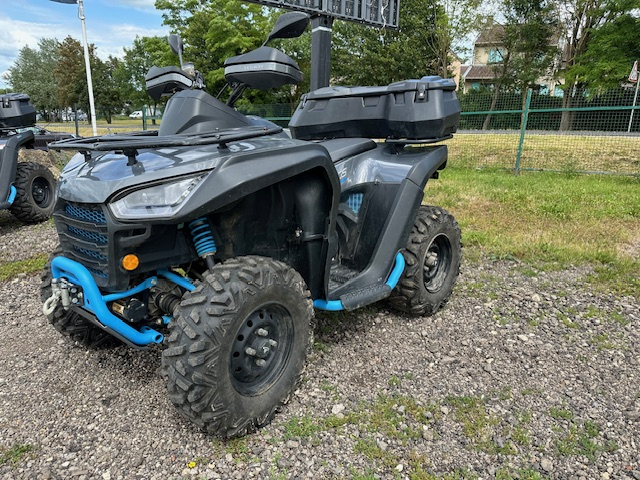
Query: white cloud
pixel 109 38
pixel 15 34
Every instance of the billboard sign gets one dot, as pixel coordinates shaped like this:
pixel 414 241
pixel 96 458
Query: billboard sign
pixel 381 13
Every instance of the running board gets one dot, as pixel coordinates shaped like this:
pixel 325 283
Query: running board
pixel 367 295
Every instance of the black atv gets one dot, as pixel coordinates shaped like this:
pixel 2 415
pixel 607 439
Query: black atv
pixel 26 188
pixel 223 233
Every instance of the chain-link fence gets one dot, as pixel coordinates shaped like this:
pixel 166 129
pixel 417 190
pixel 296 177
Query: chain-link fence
pixel 529 131
pixel 587 133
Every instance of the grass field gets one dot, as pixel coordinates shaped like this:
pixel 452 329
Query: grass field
pixel 549 220
pixel 543 151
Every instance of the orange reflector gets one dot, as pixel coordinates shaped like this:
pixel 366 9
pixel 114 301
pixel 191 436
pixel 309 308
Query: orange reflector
pixel 130 262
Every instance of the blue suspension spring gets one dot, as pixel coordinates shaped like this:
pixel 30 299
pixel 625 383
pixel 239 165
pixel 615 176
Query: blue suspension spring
pixel 202 237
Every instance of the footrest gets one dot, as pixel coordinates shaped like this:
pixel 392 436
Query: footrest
pixel 365 296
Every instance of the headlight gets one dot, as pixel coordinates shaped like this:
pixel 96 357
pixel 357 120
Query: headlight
pixel 163 200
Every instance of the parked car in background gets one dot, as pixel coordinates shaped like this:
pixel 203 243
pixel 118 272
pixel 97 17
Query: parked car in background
pixel 136 114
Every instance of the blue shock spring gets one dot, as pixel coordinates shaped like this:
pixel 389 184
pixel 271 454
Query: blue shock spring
pixel 202 237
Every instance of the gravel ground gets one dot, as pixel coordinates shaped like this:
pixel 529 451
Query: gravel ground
pixel 524 374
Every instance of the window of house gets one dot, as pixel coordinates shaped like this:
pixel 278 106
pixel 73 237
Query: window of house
pixel 475 85
pixel 496 55
pixel 544 90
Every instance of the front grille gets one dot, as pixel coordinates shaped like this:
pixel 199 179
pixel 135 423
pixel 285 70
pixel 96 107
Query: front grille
pixel 94 236
pixel 84 236
pixel 86 213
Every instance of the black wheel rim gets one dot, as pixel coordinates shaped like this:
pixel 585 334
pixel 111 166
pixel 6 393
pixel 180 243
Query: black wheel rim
pixel 41 192
pixel 437 263
pixel 260 349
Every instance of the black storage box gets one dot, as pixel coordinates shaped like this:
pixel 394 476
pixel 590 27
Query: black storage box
pixel 412 109
pixel 16 111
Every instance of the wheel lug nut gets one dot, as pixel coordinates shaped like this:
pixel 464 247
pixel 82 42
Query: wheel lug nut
pixel 260 362
pixel 250 351
pixel 261 332
pixel 273 343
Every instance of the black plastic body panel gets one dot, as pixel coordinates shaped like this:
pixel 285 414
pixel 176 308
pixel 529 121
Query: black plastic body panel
pixel 388 214
pixel 412 109
pixel 16 111
pixel 263 68
pixel 8 162
pixel 195 111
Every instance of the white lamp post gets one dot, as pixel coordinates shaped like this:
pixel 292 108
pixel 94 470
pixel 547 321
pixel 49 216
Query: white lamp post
pixel 86 58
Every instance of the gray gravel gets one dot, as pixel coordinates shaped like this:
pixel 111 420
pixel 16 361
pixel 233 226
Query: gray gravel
pixel 524 374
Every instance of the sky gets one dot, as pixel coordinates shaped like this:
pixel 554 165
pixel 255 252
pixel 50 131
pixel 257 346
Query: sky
pixel 111 25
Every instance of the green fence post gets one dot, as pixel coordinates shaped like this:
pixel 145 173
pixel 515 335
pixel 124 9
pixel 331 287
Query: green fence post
pixel 523 129
pixel 144 117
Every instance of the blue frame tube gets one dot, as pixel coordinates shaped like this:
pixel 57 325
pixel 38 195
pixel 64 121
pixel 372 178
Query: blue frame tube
pixel 178 280
pixel 95 302
pixel 392 281
pixel 12 194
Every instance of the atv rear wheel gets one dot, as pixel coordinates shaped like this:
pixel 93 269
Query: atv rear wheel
pixel 35 187
pixel 70 323
pixel 238 345
pixel 432 263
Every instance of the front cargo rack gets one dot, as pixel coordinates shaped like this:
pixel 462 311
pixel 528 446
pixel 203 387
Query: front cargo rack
pixel 129 143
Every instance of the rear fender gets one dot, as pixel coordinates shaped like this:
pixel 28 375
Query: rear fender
pixel 9 148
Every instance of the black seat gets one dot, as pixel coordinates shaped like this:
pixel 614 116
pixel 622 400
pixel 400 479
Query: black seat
pixel 340 148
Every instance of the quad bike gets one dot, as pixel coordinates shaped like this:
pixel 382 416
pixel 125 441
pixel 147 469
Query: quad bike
pixel 217 235
pixel 26 188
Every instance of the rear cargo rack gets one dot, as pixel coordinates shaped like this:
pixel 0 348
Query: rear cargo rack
pixel 129 143
pixel 426 141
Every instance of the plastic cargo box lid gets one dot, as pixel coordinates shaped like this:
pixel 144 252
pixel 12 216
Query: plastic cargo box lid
pixel 411 109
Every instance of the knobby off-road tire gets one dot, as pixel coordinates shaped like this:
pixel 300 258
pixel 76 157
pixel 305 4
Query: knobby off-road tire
pixel 238 345
pixel 432 263
pixel 35 186
pixel 72 324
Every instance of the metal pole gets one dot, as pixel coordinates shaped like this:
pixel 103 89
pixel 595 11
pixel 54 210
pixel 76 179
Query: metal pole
pixel 523 129
pixel 321 26
pixel 87 66
pixel 635 97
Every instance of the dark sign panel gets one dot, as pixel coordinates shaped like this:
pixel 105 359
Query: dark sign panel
pixel 382 13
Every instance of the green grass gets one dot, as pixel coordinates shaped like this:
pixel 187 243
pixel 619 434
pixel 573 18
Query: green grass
pixel 30 265
pixel 568 153
pixel 548 220
pixel 15 454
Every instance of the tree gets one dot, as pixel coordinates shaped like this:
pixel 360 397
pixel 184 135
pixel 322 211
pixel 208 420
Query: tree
pixel 582 20
pixel 69 74
pixel 607 61
pixel 33 73
pixel 528 50
pixel 108 93
pixel 363 55
pixel 144 53
pixel 454 21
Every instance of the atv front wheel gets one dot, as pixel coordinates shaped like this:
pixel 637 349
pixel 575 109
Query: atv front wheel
pixel 432 263
pixel 70 323
pixel 35 186
pixel 238 345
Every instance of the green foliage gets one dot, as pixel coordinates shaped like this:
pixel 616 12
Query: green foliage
pixel 14 454
pixel 610 53
pixel 144 53
pixel 9 270
pixel 32 73
pixel 364 55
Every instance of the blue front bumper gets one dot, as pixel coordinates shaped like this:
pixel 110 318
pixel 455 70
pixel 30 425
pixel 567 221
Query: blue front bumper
pixel 96 304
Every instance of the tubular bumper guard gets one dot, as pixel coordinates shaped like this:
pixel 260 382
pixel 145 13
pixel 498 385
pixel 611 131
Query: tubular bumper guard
pixel 95 304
